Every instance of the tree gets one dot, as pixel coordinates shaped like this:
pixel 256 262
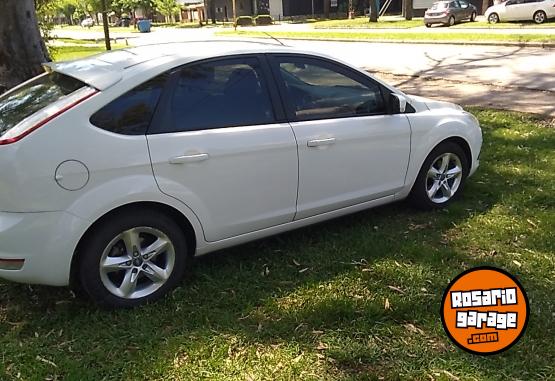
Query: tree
pixel 22 50
pixel 373 11
pixel 168 8
pixel 407 4
pixel 485 5
pixel 327 6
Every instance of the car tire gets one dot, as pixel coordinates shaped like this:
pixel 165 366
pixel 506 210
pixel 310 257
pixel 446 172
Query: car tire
pixel 451 21
pixel 473 17
pixel 428 25
pixel 133 258
pixel 441 178
pixel 540 17
pixel 493 18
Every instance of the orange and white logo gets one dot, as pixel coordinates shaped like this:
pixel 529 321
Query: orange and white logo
pixel 485 310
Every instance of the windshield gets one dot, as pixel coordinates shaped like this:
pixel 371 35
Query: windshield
pixel 15 106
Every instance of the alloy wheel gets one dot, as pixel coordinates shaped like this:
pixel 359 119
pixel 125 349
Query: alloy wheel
pixel 444 178
pixel 539 17
pixel 137 262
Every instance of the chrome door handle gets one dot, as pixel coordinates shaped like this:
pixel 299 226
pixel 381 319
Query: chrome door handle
pixel 320 142
pixel 194 158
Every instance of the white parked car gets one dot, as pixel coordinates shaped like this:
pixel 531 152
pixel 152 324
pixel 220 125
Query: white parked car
pixel 87 23
pixel 521 10
pixel 118 169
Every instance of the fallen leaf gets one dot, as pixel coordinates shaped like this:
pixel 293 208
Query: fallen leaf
pixel 296 263
pixel 386 304
pixel 42 359
pixel 517 263
pixel 322 346
pixel 396 289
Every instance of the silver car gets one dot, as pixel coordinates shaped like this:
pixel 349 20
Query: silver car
pixel 449 12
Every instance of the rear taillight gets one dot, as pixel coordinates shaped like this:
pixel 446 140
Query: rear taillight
pixel 44 116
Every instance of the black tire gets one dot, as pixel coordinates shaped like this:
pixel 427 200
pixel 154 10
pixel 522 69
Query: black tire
pixel 540 17
pixel 428 25
pixel 493 18
pixel 91 251
pixel 473 17
pixel 419 196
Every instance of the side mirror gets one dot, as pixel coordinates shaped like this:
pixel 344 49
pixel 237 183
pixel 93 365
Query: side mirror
pixel 398 103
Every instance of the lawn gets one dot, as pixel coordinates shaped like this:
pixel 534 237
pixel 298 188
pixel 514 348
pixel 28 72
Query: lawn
pixel 356 298
pixel 398 36
pixel 79 49
pixel 362 22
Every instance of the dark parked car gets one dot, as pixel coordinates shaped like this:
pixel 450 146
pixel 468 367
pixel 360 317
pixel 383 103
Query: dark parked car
pixel 449 12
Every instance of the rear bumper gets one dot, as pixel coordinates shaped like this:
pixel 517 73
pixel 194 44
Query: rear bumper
pixel 44 241
pixel 436 19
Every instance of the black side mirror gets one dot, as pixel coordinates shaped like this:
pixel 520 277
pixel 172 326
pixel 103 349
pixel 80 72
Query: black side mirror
pixel 397 104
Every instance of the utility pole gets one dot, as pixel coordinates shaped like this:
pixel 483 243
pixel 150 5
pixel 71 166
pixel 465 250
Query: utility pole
pixel 105 23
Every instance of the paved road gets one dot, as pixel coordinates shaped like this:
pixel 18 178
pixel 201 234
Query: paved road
pixel 508 69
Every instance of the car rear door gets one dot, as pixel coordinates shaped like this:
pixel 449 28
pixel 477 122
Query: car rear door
pixel 217 144
pixel 350 149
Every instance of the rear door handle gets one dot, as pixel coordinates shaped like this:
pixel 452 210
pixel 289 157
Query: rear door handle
pixel 194 158
pixel 320 142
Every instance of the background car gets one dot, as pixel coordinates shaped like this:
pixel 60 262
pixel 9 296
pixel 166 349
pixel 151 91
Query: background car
pixel 87 23
pixel 521 10
pixel 449 12
pixel 152 155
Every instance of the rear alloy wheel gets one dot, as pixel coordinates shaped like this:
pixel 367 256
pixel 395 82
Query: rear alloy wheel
pixel 473 17
pixel 540 17
pixel 133 259
pixel 493 18
pixel 441 177
pixel 451 20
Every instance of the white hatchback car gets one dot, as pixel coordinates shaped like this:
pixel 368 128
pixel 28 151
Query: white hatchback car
pixel 118 169
pixel 521 10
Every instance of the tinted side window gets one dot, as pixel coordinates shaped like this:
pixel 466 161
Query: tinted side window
pixel 131 113
pixel 218 94
pixel 320 90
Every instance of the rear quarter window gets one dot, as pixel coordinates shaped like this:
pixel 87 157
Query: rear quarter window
pixel 17 105
pixel 132 112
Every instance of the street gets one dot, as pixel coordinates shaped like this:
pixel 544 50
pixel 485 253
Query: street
pixel 511 77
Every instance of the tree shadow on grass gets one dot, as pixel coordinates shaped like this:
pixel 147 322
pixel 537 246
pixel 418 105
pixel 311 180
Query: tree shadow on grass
pixel 353 298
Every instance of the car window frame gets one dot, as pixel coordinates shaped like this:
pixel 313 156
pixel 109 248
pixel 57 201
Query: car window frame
pixel 162 111
pixel 273 60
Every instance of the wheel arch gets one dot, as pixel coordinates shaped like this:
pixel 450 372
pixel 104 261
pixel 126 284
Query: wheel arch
pixel 185 225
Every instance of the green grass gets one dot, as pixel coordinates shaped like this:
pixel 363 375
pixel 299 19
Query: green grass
pixel 72 52
pixel 97 28
pixel 396 36
pixel 362 22
pixel 310 304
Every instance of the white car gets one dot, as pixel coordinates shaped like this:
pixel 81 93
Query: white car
pixel 521 10
pixel 87 23
pixel 118 169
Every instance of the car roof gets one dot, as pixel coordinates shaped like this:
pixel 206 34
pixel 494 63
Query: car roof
pixel 103 70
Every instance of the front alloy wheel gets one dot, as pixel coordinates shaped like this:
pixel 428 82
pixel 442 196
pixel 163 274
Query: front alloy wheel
pixel 444 178
pixel 441 177
pixel 493 18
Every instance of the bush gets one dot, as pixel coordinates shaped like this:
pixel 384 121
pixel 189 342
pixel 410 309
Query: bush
pixel 244 21
pixel 264 20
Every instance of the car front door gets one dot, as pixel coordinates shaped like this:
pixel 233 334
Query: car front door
pixel 216 145
pixel 350 149
pixel 515 10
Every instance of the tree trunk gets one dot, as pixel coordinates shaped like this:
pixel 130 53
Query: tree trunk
pixel 373 11
pixel 485 5
pixel 408 10
pixel 22 50
pixel 327 6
